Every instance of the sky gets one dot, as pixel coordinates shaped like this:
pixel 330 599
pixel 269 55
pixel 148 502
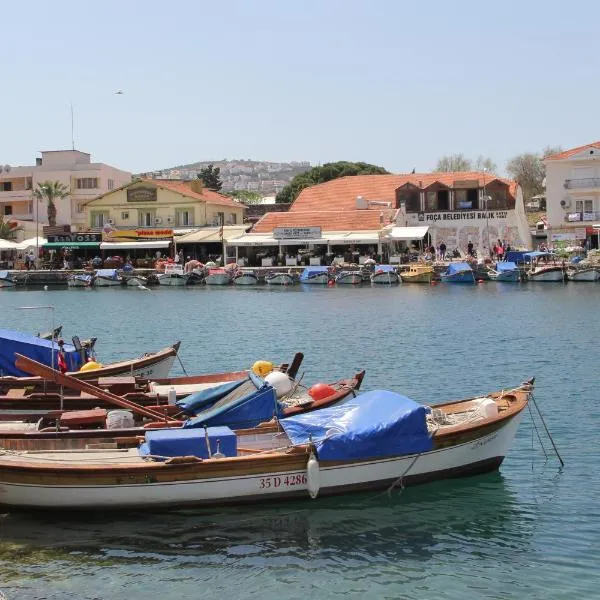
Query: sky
pixel 389 82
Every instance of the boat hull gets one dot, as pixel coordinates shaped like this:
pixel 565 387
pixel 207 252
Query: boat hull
pixel 105 282
pixel 136 281
pixel 82 281
pixel 318 279
pixel 464 277
pixel 6 283
pixel 506 276
pixel 172 279
pixel 280 279
pixel 423 277
pixel 25 483
pixel 349 279
pixel 552 274
pixel 246 279
pixel 583 275
pixel 218 279
pixel 387 278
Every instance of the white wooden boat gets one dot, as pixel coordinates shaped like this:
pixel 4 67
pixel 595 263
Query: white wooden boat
pixel 385 274
pixel 280 279
pixel 583 274
pixel 315 275
pixel 506 272
pixel 378 440
pixel 543 271
pixel 6 279
pixel 107 278
pixel 135 281
pixel 245 278
pixel 173 275
pixel 349 278
pixel 218 276
pixel 80 280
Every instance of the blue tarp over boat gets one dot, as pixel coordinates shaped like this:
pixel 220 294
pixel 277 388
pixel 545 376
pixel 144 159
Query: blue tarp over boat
pixel 529 256
pixel 107 273
pixel 310 272
pixel 457 267
pixel 33 347
pixel 385 269
pixel 502 266
pixel 374 424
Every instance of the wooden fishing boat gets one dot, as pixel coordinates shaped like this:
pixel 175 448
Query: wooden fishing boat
pixel 6 279
pixel 80 280
pixel 458 272
pixel 583 274
pixel 507 272
pixel 173 275
pixel 245 277
pixel 349 278
pixel 280 279
pixel 107 278
pixel 315 275
pixel 378 440
pixel 135 281
pixel 543 271
pixel 385 274
pixel 218 276
pixel 156 364
pixel 418 273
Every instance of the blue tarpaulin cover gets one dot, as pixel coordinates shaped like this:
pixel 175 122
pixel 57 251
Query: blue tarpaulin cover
pixel 312 272
pixel 189 442
pixel 200 400
pixel 529 256
pixel 384 269
pixel 107 273
pixel 33 347
pixel 374 424
pixel 457 267
pixel 505 266
pixel 4 275
pixel 515 256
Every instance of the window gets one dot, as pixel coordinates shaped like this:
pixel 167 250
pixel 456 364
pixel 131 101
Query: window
pixel 111 184
pixel 184 217
pixel 28 183
pixel 233 219
pixel 497 199
pixel 146 218
pixel 125 216
pixel 30 207
pixel 87 183
pixel 586 209
pixel 431 201
pixel 411 199
pixel 80 207
pixel 97 218
pixel 8 209
pixel 6 186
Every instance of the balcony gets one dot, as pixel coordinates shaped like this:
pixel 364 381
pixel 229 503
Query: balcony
pixel 578 217
pixel 589 183
pixel 16 195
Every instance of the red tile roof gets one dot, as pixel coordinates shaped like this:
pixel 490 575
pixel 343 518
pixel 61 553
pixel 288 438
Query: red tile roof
pixel 573 151
pixel 183 187
pixel 329 220
pixel 341 194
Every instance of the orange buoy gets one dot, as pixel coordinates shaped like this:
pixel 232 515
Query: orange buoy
pixel 330 283
pixel 480 281
pixel 319 391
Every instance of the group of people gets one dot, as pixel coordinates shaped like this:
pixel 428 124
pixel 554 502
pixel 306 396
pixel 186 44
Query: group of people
pixel 499 250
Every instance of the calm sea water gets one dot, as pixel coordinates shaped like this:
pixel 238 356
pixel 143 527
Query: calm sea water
pixel 530 531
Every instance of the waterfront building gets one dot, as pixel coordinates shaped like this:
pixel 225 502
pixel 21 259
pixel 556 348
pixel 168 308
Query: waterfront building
pixel 573 196
pixel 74 169
pixel 369 214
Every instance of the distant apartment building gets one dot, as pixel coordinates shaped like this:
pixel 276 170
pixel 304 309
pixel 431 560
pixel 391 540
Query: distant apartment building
pixel 85 180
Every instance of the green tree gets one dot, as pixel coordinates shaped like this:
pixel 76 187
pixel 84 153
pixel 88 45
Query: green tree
pixel 50 192
pixel 246 196
pixel 529 170
pixel 324 173
pixel 8 228
pixel 211 176
pixel 453 162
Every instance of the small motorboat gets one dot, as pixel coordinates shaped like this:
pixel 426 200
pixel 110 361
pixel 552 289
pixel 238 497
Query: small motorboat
pixel 418 273
pixel 378 440
pixel 316 275
pixel 280 279
pixel 80 280
pixel 543 271
pixel 245 277
pixel 583 274
pixel 505 271
pixel 385 274
pixel 6 279
pixel 458 272
pixel 349 278
pixel 218 276
pixel 173 275
pixel 135 280
pixel 107 278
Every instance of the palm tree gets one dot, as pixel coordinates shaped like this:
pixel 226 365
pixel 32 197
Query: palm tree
pixel 50 192
pixel 8 228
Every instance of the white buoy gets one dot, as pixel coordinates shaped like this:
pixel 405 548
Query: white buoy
pixel 312 476
pixel 280 381
pixel 45 288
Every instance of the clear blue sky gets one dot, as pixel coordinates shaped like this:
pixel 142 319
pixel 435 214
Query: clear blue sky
pixel 384 81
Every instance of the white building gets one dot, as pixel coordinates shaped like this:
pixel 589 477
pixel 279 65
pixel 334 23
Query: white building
pixel 573 194
pixel 85 180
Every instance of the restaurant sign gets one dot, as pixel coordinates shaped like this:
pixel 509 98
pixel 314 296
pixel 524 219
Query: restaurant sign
pixel 468 215
pixel 75 238
pixel 140 235
pixel 296 233
pixel 141 194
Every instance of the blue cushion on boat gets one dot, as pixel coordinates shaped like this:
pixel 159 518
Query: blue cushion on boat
pixel 189 442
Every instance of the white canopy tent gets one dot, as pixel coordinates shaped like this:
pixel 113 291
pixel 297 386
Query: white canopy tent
pixel 7 245
pixel 407 234
pixel 32 243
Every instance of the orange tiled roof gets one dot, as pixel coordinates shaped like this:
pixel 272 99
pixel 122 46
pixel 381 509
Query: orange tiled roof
pixel 327 220
pixel 183 187
pixel 340 194
pixel 572 151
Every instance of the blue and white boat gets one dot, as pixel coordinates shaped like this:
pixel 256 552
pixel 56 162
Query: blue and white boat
pixel 107 277
pixel 458 272
pixel 386 274
pixel 6 279
pixel 82 280
pixel 318 275
pixel 505 271
pixel 540 267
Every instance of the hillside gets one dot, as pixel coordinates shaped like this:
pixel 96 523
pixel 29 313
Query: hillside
pixel 266 178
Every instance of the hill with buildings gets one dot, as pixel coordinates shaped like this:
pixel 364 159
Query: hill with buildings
pixel 266 178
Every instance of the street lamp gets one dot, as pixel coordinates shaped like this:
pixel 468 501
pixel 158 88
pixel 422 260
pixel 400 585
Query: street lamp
pixel 486 200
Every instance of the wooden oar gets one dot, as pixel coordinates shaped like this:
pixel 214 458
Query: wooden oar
pixel 35 368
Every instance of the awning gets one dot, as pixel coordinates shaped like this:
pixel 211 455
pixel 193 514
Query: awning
pixel 253 240
pixel 212 234
pixel 7 244
pixel 31 243
pixel 134 245
pixel 408 233
pixel 351 237
pixel 72 245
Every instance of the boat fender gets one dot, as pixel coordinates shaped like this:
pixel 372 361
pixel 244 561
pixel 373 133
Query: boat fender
pixel 262 367
pixel 172 396
pixel 312 476
pixel 90 365
pixel 320 391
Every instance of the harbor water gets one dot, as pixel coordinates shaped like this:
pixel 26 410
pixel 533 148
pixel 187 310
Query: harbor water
pixel 531 530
